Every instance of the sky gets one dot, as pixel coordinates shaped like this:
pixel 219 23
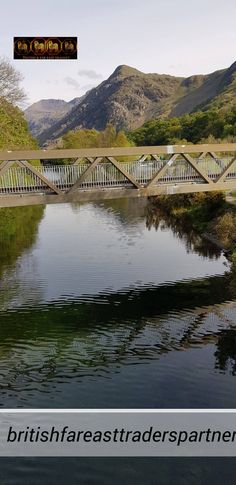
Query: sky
pixel 177 37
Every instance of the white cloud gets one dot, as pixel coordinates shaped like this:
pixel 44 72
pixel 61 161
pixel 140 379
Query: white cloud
pixel 90 74
pixel 72 82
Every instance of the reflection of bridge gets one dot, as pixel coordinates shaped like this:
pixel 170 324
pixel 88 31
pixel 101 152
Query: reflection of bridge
pixel 99 173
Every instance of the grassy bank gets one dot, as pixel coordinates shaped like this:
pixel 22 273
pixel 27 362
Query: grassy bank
pixel 209 214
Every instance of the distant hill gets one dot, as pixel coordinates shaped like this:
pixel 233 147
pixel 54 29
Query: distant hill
pixel 43 114
pixel 129 97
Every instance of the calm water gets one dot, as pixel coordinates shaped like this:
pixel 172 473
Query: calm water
pixel 100 306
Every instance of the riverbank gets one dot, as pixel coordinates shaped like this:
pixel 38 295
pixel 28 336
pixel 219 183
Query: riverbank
pixel 211 215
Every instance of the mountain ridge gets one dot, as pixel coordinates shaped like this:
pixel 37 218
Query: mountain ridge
pixel 42 114
pixel 128 98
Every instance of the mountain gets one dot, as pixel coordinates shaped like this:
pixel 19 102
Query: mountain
pixel 216 90
pixel 130 97
pixel 43 114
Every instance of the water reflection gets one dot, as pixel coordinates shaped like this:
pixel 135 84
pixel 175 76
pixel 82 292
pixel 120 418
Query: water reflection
pixel 102 312
pixel 18 232
pixel 109 305
pixel 226 351
pixel 156 218
pixel 51 345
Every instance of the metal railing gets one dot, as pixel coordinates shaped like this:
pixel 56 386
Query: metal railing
pixel 105 175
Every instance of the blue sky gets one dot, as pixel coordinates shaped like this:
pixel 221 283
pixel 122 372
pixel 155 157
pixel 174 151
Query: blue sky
pixel 178 37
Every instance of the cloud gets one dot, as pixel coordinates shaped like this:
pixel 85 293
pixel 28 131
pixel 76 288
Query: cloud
pixel 90 74
pixel 72 82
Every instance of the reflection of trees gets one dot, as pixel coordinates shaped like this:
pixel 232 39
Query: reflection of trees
pixel 125 211
pixel 225 341
pixel 84 338
pixel 157 218
pixel 226 351
pixel 18 230
pixel 232 280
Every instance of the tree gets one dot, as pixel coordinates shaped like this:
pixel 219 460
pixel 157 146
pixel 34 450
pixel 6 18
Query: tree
pixel 10 79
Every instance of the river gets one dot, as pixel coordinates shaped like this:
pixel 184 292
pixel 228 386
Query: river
pixel 102 307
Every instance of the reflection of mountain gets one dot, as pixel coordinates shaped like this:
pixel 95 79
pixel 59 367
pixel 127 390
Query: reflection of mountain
pixel 18 230
pixel 95 335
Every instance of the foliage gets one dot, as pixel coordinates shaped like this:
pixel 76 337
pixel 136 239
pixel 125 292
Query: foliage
pixel 190 128
pixel 14 131
pixel 10 83
pixel 194 210
pixel 225 229
pixel 84 138
pixel 18 226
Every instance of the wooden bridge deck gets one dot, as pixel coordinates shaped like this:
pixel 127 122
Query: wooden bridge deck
pixel 93 174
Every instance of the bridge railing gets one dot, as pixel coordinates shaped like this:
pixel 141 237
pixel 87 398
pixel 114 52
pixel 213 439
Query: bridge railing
pixel 101 168
pixel 18 180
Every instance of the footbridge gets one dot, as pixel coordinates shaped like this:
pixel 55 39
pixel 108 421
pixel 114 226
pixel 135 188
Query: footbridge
pixel 73 175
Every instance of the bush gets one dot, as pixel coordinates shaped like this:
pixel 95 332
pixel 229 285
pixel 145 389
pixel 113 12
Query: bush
pixel 225 229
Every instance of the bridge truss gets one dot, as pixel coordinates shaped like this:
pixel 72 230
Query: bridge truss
pixel 107 173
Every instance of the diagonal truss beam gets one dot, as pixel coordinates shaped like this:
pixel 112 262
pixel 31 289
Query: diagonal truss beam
pixel 142 158
pixel 225 172
pixel 77 161
pixel 33 170
pixel 199 170
pixel 103 170
pixel 216 159
pixel 155 157
pixel 84 175
pixel 124 172
pixel 162 170
pixel 213 156
pixel 4 166
pixel 203 155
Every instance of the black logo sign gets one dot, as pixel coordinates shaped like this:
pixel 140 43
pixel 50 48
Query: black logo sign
pixel 45 47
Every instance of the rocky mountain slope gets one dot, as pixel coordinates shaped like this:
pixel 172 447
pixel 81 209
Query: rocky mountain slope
pixel 43 114
pixel 129 97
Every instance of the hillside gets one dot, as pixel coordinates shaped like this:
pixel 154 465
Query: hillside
pixel 18 225
pixel 14 131
pixel 216 90
pixel 128 98
pixel 43 114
